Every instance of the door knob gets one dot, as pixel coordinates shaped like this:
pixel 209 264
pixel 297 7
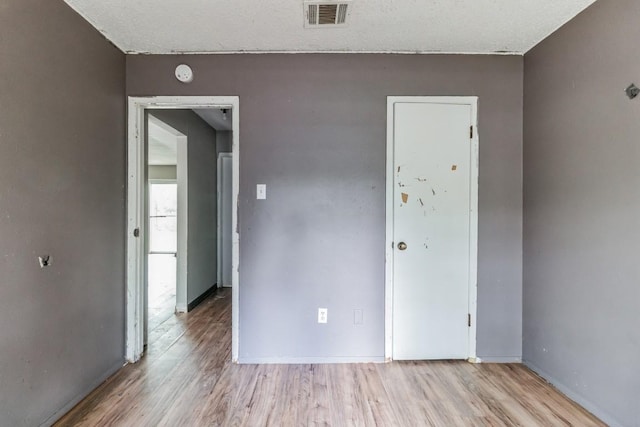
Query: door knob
pixel 402 246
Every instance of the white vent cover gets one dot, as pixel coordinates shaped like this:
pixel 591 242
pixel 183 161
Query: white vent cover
pixel 326 14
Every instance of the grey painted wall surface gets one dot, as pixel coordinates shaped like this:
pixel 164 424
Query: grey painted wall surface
pixel 202 198
pixel 62 177
pixel 313 128
pixel 581 199
pixel 164 172
pixel 224 141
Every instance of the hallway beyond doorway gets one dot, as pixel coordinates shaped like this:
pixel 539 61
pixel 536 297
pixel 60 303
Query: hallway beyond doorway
pixel 162 290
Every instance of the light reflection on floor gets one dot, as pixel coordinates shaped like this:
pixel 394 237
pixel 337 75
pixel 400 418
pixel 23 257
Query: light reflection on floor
pixel 162 290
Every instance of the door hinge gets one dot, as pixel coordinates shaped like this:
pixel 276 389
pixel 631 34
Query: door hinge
pixel 469 320
pixel 471 132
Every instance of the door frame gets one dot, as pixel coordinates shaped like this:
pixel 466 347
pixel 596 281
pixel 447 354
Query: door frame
pixel 472 101
pixel 136 211
pixel 219 205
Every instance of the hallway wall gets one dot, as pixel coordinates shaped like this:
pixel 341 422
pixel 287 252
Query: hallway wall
pixel 202 233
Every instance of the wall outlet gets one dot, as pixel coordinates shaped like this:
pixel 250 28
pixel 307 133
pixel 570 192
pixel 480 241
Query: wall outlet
pixel 322 315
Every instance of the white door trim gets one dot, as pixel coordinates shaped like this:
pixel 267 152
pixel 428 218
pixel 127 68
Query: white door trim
pixel 473 238
pixel 136 202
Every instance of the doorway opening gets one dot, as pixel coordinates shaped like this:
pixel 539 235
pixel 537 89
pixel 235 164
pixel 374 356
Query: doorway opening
pixel 173 146
pixel 162 256
pixel 166 221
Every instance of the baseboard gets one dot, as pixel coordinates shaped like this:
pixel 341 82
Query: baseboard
pixel 571 394
pixel 193 304
pixel 307 360
pixel 69 406
pixel 499 359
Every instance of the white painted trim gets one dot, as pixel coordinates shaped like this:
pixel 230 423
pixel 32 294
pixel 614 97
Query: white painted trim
pixel 136 193
pixel 219 217
pixel 388 269
pixel 473 227
pixel 604 416
pixel 182 249
pixel 135 245
pixel 308 360
pixel 473 235
pixel 235 233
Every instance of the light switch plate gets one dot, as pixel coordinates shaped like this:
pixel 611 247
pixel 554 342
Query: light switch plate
pixel 322 315
pixel 261 191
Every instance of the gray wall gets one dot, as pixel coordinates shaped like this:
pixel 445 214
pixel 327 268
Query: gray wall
pixel 202 198
pixel 62 175
pixel 165 172
pixel 313 128
pixel 224 141
pixel 581 234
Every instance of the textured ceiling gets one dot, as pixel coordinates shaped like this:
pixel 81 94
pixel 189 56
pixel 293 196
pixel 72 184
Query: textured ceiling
pixel 412 26
pixel 215 118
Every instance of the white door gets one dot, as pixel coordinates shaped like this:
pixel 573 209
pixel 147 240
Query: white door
pixel 225 205
pixel 432 163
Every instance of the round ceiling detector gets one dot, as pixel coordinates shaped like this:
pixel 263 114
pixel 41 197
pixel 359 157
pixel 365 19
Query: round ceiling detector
pixel 184 73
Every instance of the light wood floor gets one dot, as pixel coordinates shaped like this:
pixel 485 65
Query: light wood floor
pixel 187 380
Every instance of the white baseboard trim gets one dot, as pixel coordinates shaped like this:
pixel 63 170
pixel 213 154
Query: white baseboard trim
pixel 66 408
pixel 181 308
pixel 307 360
pixel 571 394
pixel 499 359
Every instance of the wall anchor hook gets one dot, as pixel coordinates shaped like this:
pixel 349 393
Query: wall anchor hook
pixel 632 91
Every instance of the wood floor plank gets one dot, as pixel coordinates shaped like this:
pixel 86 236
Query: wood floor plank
pixel 187 379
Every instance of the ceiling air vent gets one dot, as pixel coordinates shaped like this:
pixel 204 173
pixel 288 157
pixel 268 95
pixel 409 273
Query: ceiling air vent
pixel 324 14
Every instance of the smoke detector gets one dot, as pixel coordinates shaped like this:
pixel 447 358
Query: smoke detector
pixel 326 14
